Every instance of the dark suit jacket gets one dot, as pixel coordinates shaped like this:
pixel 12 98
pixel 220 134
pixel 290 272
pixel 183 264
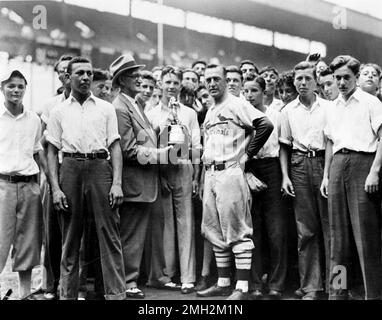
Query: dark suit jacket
pixel 139 149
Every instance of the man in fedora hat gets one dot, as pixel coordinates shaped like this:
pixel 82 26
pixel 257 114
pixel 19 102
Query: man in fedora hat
pixel 139 174
pixel 20 202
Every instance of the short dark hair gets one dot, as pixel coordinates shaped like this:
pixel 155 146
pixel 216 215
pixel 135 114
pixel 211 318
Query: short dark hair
pixel 148 75
pixel 214 65
pixel 249 62
pixel 327 71
pixel 286 79
pixel 189 70
pixel 376 67
pixel 171 70
pixel 78 59
pixel 64 57
pixel 198 61
pixel 259 80
pixel 345 60
pixel 200 87
pixel 99 74
pixel 304 65
pixel 268 69
pixel 235 69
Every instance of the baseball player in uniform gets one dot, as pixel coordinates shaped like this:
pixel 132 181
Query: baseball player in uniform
pixel 229 143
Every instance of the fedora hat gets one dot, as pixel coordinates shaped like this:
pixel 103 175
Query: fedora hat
pixel 123 63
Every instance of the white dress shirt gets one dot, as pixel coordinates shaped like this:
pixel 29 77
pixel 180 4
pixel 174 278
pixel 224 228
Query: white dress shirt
pixel 354 124
pixel 19 141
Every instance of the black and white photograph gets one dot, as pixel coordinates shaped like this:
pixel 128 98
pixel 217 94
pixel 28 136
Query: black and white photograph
pixel 217 152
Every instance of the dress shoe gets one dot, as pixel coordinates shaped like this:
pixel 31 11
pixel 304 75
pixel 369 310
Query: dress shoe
pixel 274 294
pixel 202 284
pixel 238 294
pixel 187 288
pixel 255 295
pixel 135 293
pixel 299 292
pixel 313 295
pixel 214 291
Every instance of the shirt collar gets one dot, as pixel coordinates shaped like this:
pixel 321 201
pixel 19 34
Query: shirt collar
pixel 71 98
pixel 131 100
pixel 4 110
pixel 296 102
pixel 356 95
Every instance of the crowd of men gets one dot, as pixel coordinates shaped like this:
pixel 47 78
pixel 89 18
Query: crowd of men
pixel 264 165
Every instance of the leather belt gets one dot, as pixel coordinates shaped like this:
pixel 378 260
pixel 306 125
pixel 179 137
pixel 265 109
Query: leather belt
pixel 219 166
pixel 345 151
pixel 86 156
pixel 311 153
pixel 16 179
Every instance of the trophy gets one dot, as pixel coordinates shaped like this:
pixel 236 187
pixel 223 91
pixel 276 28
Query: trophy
pixel 175 129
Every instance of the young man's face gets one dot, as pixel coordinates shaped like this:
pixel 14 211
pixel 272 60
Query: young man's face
pixel 329 87
pixel 14 90
pixel 216 82
pixel 147 89
pixel 156 97
pixel 369 80
pixel 270 81
pixel 61 70
pixel 81 77
pixel 248 69
pixel 234 83
pixel 170 85
pixel 346 81
pixel 304 82
pixel 191 78
pixel 253 93
pixel 200 68
pixel 287 93
pixel 205 99
pixel 100 89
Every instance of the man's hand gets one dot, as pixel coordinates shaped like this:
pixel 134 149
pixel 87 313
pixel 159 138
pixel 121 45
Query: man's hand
pixel 287 187
pixel 115 196
pixel 324 187
pixel 195 188
pixel 59 200
pixel 372 182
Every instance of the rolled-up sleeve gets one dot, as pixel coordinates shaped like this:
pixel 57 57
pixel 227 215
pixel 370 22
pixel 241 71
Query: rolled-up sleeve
pixel 375 114
pixel 54 129
pixel 112 126
pixel 285 130
pixel 37 144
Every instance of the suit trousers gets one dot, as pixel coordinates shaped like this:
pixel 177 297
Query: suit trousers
pixel 86 184
pixel 269 220
pixel 154 253
pixel 179 224
pixel 311 214
pixel 353 213
pixel 135 218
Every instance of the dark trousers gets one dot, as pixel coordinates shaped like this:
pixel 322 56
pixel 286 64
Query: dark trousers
pixel 53 241
pixel 269 218
pixel 134 224
pixel 311 213
pixel 354 214
pixel 89 181
pixel 154 253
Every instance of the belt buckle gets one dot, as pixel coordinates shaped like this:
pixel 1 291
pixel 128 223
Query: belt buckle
pixel 11 179
pixel 311 153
